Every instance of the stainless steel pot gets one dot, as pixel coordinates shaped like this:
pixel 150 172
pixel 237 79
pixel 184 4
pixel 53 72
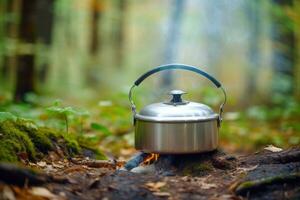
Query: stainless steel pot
pixel 177 126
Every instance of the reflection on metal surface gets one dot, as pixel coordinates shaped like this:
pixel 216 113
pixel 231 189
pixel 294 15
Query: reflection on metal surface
pixel 176 138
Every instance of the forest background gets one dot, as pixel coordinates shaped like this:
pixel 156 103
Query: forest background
pixel 80 58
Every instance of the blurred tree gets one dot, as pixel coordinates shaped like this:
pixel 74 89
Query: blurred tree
pixel 296 17
pixel 119 33
pixel 25 60
pixel 11 20
pixel 215 29
pixel 253 13
pixel 283 37
pixel 96 7
pixel 44 26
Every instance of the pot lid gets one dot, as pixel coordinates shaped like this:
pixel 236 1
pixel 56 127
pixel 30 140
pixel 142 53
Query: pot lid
pixel 177 110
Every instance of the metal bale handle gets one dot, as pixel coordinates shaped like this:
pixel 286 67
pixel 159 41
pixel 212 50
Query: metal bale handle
pixel 173 67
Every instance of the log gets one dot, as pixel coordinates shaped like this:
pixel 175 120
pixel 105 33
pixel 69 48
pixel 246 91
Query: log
pixel 250 186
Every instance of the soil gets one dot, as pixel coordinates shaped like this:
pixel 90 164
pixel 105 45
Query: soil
pixel 268 174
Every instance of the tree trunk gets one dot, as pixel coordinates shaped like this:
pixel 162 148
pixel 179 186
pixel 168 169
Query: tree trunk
pixel 25 62
pixel 45 16
pixel 120 32
pixel 283 37
pixel 253 13
pixel 297 67
pixel 96 7
pixel 11 31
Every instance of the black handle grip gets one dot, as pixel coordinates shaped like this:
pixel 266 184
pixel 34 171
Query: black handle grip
pixel 177 66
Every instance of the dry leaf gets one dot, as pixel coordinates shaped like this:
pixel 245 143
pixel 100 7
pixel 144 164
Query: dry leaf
pixel 8 194
pixel 246 169
pixel 23 156
pixel 162 194
pixel 226 197
pixel 155 186
pixel 207 186
pixel 43 192
pixel 58 166
pixel 273 148
pixel 127 152
pixel 42 164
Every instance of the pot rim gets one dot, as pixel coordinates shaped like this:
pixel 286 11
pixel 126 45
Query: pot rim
pixel 177 119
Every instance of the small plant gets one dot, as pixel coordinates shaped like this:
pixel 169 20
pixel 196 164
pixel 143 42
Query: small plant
pixel 67 112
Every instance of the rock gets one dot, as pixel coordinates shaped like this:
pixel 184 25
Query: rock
pixel 147 169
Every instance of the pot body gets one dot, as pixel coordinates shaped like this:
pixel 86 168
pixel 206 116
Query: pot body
pixel 176 137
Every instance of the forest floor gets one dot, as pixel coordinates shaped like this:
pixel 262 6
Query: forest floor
pixel 271 173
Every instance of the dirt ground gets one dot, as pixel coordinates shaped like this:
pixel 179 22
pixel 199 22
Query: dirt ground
pixel 269 174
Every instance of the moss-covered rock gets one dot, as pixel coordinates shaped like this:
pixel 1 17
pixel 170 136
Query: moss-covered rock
pixel 22 136
pixel 14 141
pixel 89 148
pixel 37 135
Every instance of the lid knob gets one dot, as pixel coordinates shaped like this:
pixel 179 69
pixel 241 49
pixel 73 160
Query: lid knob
pixel 176 97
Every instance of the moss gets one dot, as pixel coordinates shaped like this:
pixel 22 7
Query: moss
pixel 66 141
pixel 24 136
pixel 260 183
pixel 87 145
pixel 96 153
pixel 7 152
pixel 37 135
pixel 197 169
pixel 71 144
pixel 14 141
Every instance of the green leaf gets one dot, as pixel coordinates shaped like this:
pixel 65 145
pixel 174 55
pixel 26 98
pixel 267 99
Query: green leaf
pixel 57 102
pixel 55 109
pixel 69 111
pixel 101 128
pixel 7 116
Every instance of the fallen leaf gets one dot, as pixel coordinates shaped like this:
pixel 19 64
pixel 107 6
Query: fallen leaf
pixel 227 197
pixel 31 164
pixel 76 168
pixel 272 148
pixel 162 194
pixel 246 169
pixel 23 156
pixel 42 164
pixel 53 156
pixel 43 192
pixel 57 166
pixel 8 194
pixel 127 152
pixel 155 186
pixel 207 186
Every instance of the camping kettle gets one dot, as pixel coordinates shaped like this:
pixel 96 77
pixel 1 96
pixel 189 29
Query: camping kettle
pixel 177 126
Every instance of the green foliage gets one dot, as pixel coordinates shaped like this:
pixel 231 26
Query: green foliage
pixel 7 116
pixel 67 113
pixel 103 129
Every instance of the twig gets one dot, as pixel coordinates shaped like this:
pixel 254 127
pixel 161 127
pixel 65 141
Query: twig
pixel 100 163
